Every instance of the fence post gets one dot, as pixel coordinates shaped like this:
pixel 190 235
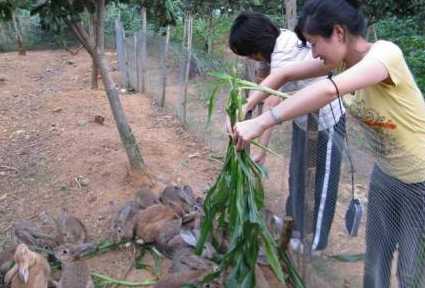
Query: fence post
pixel 181 110
pixel 120 44
pixel 310 151
pixel 164 66
pixel 135 61
pixel 142 60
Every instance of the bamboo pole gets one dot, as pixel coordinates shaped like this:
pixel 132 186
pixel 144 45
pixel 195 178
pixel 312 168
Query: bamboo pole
pixel 164 65
pixel 143 50
pixel 183 104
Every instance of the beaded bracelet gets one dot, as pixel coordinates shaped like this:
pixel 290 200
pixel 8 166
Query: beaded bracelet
pixel 276 119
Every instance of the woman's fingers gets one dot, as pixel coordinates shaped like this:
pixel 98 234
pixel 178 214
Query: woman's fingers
pixel 240 136
pixel 245 131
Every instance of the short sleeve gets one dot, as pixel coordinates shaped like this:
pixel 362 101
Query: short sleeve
pixel 391 56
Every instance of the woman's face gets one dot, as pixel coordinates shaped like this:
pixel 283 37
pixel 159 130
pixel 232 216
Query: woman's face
pixel 330 50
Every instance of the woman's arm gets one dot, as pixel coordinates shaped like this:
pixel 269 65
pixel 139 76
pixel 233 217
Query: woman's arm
pixel 291 72
pixel 313 97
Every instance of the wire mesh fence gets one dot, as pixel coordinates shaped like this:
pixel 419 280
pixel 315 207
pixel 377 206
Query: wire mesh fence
pixel 318 178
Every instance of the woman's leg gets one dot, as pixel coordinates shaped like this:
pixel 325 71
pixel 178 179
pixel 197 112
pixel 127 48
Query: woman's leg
pixel 294 207
pixel 411 264
pixel 329 156
pixel 383 224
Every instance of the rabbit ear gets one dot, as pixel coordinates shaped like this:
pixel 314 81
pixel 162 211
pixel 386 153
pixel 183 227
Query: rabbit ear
pixel 47 219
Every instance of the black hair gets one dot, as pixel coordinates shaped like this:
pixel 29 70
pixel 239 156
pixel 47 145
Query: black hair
pixel 318 17
pixel 253 33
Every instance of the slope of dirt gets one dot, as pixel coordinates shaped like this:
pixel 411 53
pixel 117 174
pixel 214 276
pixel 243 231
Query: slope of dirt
pixel 53 155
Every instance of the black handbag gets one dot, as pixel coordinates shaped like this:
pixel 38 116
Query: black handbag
pixel 353 216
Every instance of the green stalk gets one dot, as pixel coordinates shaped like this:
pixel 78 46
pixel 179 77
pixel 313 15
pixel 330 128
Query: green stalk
pixel 235 202
pixel 110 280
pixel 265 148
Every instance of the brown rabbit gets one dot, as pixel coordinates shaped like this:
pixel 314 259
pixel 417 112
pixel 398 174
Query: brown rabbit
pixel 31 270
pixel 75 271
pixel 71 229
pixel 145 197
pixel 123 224
pixel 186 268
pixel 153 223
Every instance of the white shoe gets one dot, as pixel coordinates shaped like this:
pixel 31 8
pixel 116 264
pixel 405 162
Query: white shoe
pixel 297 246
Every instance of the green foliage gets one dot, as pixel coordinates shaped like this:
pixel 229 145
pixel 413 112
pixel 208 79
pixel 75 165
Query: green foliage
pixel 377 10
pixel 6 9
pixel 408 36
pixel 164 12
pixel 233 204
pixel 129 15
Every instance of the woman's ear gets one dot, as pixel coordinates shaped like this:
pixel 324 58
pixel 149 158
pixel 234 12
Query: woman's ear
pixel 339 32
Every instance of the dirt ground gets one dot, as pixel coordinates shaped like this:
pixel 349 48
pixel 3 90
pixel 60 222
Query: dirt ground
pixel 50 144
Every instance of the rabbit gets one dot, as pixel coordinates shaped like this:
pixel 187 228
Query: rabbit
pixel 6 258
pixel 29 233
pixel 31 270
pixel 180 198
pixel 186 268
pixel 150 222
pixel 145 197
pixel 71 229
pixel 123 224
pixel 75 271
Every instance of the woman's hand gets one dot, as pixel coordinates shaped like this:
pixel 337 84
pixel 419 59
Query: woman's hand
pixel 245 131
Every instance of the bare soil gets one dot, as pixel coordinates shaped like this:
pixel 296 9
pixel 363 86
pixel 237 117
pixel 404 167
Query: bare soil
pixel 54 155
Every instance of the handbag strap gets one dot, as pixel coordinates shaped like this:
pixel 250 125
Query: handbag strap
pixel 347 146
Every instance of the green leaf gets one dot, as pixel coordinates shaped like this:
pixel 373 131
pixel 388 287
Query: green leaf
pixel 211 102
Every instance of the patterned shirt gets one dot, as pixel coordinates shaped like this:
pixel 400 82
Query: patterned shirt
pixel 393 116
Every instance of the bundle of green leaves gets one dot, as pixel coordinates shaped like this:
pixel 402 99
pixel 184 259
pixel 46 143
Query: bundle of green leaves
pixel 234 203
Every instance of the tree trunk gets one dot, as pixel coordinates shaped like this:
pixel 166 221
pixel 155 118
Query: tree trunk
pixel 100 29
pixel 127 138
pixel 93 41
pixel 164 65
pixel 19 42
pixel 371 33
pixel 291 14
pixel 210 28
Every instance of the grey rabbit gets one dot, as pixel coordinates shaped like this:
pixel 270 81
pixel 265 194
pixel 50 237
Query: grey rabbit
pixel 71 229
pixel 124 222
pixel 75 271
pixel 29 233
pixel 180 198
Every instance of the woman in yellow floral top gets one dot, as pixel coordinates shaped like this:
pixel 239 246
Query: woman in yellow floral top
pixel 390 107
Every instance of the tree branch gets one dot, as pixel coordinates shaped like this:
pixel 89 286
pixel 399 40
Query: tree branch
pixel 76 29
